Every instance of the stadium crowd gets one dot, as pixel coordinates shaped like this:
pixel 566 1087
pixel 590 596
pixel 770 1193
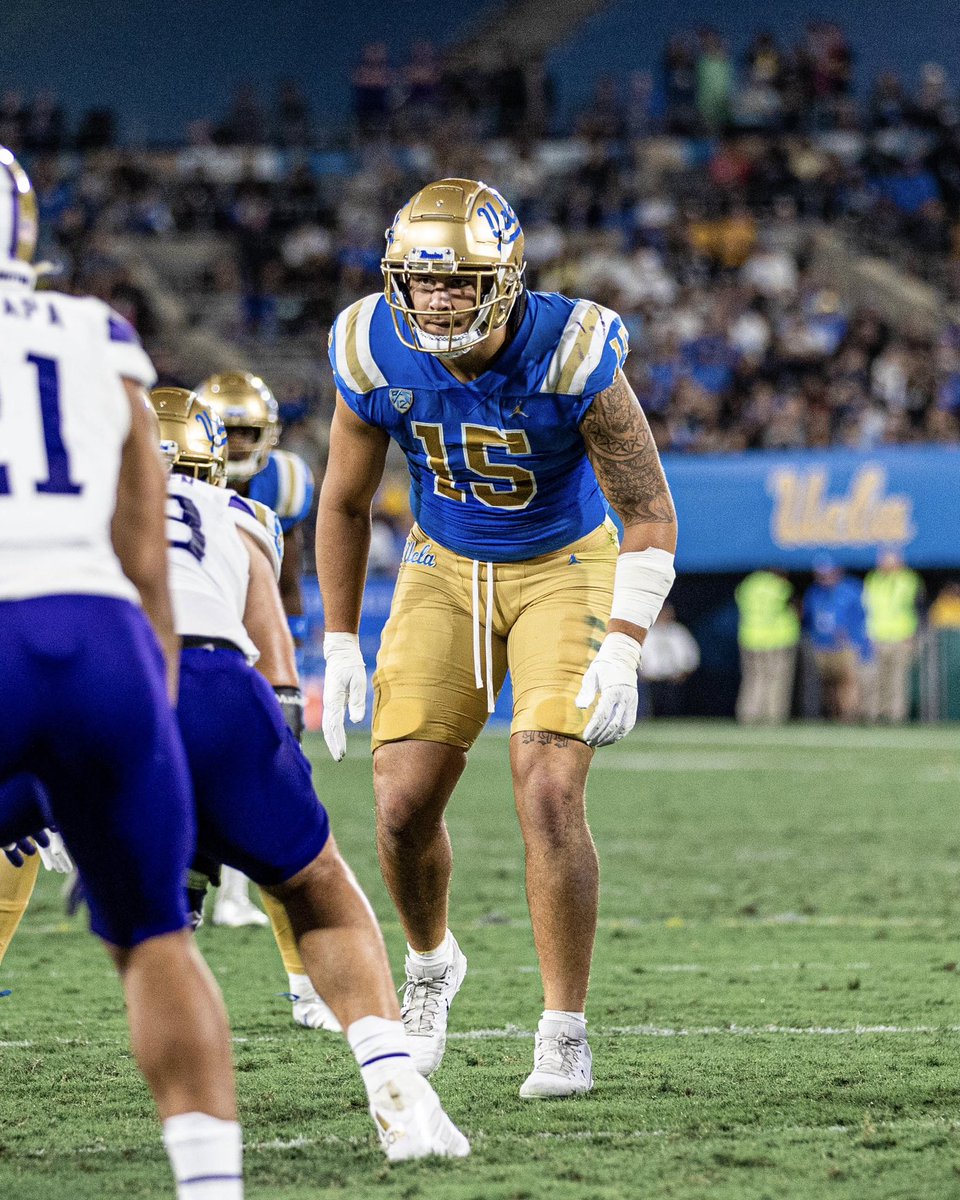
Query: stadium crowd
pixel 690 203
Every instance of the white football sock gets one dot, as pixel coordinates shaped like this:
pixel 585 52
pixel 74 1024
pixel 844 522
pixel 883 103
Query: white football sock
pixel 300 987
pixel 443 954
pixel 380 1047
pixel 233 885
pixel 206 1155
pixel 576 1018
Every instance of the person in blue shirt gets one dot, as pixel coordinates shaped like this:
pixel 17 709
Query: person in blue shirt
pixel 835 624
pixel 519 429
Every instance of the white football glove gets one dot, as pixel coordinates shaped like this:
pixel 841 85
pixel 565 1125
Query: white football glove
pixel 56 856
pixel 613 673
pixel 344 681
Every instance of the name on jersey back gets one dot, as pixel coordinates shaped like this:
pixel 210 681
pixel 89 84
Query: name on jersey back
pixel 28 307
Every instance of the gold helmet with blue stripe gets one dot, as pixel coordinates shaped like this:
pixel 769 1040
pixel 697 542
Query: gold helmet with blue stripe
pixel 18 221
pixel 193 440
pixel 251 415
pixel 463 232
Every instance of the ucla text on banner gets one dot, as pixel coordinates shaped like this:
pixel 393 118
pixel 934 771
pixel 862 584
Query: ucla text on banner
pixel 742 511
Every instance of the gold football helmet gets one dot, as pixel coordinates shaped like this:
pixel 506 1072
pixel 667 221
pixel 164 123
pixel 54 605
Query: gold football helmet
pixel 192 437
pixel 251 415
pixel 454 229
pixel 18 220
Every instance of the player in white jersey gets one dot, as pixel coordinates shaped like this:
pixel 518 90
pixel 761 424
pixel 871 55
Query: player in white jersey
pixel 85 687
pixel 255 805
pixel 257 470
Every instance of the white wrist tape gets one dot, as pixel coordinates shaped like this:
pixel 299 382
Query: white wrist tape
pixel 621 649
pixel 642 582
pixel 332 642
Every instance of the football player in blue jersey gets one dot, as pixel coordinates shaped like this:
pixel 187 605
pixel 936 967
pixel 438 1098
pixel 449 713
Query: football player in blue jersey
pixel 283 482
pixel 519 430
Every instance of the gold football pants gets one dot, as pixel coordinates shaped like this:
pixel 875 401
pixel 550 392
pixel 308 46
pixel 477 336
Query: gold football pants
pixel 456 626
pixel 16 888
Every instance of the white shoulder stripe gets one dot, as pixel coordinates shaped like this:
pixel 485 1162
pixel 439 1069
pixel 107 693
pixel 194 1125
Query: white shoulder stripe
pixel 367 361
pixel 340 346
pixel 293 480
pixel 595 352
pixel 564 346
pixel 580 348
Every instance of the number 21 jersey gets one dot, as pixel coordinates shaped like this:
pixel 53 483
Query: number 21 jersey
pixel 64 417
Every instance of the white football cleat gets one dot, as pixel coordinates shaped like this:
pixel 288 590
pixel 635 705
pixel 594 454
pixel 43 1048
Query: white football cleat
pixel 310 1011
pixel 562 1062
pixel 234 913
pixel 425 1007
pixel 411 1122
pixel 233 906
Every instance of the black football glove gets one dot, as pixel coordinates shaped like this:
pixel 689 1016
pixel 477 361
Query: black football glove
pixel 291 702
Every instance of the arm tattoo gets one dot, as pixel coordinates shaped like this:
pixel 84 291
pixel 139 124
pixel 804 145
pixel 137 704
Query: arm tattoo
pixel 622 453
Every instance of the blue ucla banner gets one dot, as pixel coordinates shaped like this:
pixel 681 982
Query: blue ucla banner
pixel 738 512
pixel 773 509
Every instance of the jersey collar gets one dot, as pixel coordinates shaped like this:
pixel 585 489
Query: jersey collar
pixel 503 366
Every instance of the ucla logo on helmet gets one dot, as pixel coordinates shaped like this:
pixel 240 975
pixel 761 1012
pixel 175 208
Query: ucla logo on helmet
pixel 214 428
pixel 401 399
pixel 503 221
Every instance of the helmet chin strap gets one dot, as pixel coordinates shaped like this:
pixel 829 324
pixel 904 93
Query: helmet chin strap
pixel 240 472
pixel 436 342
pixel 445 346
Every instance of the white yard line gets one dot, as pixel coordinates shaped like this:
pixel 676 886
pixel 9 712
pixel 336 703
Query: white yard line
pixel 481 1137
pixel 817 921
pixel 515 1033
pixel 664 1031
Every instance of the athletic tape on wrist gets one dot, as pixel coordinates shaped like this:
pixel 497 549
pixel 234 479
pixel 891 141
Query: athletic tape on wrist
pixel 620 648
pixel 642 583
pixel 332 642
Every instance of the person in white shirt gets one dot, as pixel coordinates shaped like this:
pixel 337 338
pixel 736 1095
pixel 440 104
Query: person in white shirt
pixel 670 656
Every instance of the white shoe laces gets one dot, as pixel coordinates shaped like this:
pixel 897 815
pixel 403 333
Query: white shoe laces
pixel 421 1001
pixel 559 1055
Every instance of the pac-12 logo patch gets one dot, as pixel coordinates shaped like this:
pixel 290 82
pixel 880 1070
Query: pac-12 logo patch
pixel 401 399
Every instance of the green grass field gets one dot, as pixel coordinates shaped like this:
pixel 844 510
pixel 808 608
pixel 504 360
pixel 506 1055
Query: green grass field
pixel 775 1006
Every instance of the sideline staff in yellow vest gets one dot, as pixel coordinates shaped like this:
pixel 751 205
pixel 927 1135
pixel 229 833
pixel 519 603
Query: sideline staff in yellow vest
pixel 769 633
pixel 891 597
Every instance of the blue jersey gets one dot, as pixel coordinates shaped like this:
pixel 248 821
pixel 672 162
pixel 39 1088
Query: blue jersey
pixel 498 466
pixel 285 484
pixel 834 617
